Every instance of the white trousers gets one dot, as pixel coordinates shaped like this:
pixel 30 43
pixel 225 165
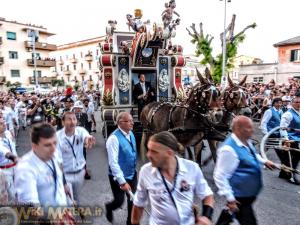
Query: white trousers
pixel 76 180
pixel 9 176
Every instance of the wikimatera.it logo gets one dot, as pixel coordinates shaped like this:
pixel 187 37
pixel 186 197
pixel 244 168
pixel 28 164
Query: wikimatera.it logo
pixel 18 215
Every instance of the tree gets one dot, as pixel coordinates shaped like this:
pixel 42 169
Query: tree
pixel 204 49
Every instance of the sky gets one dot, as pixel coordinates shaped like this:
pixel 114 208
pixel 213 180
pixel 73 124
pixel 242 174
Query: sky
pixel 82 19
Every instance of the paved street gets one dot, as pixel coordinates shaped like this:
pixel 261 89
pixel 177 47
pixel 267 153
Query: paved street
pixel 278 204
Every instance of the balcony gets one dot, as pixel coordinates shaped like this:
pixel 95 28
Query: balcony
pixel 42 80
pixel 73 60
pixel 2 80
pixel 89 57
pixel 54 74
pixel 61 62
pixel 47 62
pixel 1 60
pixel 41 46
pixel 82 71
pixel 67 72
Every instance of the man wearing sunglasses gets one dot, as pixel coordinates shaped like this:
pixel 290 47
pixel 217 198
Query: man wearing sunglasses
pixel 122 157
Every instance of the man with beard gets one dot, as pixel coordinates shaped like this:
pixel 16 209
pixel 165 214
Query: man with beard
pixel 71 141
pixel 170 184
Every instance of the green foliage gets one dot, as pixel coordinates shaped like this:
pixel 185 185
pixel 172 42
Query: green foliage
pixel 58 83
pixel 204 49
pixel 8 84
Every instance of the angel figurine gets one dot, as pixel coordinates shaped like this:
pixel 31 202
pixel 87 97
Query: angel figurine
pixel 167 14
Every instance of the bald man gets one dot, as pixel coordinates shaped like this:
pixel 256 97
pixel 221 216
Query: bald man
pixel 238 171
pixel 122 159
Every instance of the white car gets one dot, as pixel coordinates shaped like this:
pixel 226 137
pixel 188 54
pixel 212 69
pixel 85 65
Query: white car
pixel 44 90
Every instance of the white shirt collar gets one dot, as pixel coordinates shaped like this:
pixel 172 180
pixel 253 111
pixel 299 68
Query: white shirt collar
pixel 75 133
pixel 238 141
pixel 295 110
pixel 123 132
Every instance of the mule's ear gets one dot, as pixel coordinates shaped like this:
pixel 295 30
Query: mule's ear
pixel 208 75
pixel 243 82
pixel 231 84
pixel 201 79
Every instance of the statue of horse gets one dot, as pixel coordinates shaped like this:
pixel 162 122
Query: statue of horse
pixel 188 120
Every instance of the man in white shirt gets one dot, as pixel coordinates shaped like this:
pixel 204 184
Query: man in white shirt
pixel 291 120
pixel 122 156
pixel 70 142
pixel 271 118
pixel 238 170
pixel 170 184
pixel 38 177
pixel 8 159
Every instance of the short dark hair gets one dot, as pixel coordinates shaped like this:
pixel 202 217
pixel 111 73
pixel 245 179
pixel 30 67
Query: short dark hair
pixel 67 113
pixel 275 100
pixel 297 94
pixel 140 75
pixel 41 130
pixel 168 139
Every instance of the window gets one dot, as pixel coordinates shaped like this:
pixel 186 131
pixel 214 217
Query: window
pixel 15 73
pixel 61 68
pixel 90 66
pixel 11 35
pixel 258 79
pixel 81 65
pixel 295 55
pixel 74 66
pixel 38 56
pixel 81 55
pixel 68 68
pixel 39 73
pixel 13 54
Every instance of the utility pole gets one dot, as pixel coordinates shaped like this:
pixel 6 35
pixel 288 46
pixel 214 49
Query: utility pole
pixel 224 78
pixel 34 34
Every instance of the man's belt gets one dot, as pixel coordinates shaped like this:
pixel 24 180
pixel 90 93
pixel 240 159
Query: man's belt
pixel 8 166
pixel 74 172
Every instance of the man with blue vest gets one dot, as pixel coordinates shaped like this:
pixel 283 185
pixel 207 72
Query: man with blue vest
pixel 238 171
pixel 122 157
pixel 291 120
pixel 271 118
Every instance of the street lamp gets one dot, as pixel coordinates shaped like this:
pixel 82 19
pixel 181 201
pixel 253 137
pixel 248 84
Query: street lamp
pixel 224 79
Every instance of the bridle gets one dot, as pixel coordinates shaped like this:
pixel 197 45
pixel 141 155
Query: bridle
pixel 200 94
pixel 230 96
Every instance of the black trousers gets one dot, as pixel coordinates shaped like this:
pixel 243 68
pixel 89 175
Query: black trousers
pixel 119 195
pixel 285 159
pixel 141 104
pixel 246 215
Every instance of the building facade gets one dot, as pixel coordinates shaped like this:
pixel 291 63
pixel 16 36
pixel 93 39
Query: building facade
pixel 189 70
pixel 77 63
pixel 288 65
pixel 242 60
pixel 16 54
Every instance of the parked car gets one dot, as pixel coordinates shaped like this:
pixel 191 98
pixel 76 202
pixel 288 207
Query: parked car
pixel 19 90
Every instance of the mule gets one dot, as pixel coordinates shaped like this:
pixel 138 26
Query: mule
pixel 188 120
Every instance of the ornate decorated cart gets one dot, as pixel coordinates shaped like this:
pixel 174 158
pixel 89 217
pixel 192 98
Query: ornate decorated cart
pixel 147 50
